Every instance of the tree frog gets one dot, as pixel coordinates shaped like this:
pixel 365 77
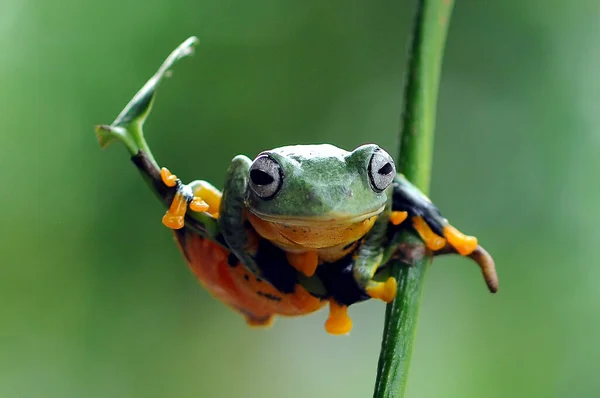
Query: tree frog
pixel 295 228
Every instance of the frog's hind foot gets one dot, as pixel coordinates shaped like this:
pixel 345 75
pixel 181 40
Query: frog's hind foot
pixel 431 239
pixel 463 244
pixel 338 321
pixel 188 196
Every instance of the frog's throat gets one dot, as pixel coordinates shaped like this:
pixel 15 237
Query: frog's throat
pixel 307 234
pixel 331 219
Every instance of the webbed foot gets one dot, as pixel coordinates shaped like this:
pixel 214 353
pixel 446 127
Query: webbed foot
pixel 305 262
pixel 208 195
pixel 463 244
pixel 397 217
pixel 187 197
pixel 427 220
pixel 432 241
pixel 385 291
pixel 338 321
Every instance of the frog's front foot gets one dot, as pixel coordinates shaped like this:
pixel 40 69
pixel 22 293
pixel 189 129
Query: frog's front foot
pixel 198 196
pixel 464 245
pixel 397 217
pixel 363 271
pixel 385 291
pixel 305 262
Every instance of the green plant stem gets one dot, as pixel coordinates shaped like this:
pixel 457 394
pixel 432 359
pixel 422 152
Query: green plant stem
pixel 414 160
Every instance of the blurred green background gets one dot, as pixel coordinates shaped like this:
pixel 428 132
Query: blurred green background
pixel 96 301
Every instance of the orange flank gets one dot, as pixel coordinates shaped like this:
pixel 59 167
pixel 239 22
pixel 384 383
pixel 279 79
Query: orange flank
pixel 230 282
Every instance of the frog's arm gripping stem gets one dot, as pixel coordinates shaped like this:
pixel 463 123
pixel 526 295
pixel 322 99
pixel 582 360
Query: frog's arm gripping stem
pixel 232 220
pixel 369 257
pixel 128 128
pixel 439 236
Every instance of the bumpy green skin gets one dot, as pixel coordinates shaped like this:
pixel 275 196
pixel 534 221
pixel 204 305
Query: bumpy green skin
pixel 321 182
pixel 231 212
pixel 371 253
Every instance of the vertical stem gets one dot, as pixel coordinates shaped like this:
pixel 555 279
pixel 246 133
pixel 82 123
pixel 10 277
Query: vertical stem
pixel 414 160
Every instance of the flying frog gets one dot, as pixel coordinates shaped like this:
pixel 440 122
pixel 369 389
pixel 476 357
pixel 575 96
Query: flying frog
pixel 297 227
pixel 318 204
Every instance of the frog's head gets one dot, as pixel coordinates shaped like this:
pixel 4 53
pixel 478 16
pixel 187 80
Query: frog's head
pixel 317 196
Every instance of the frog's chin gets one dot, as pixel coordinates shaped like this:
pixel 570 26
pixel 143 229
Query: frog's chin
pixel 298 234
pixel 337 219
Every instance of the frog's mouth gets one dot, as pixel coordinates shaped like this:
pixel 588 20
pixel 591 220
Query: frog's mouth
pixel 336 219
pixel 313 233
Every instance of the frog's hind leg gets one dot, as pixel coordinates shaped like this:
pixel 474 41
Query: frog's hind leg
pixel 427 220
pixel 437 233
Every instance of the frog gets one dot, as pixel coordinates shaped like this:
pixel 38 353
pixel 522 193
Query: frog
pixel 296 227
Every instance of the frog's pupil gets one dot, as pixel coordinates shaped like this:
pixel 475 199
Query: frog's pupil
pixel 386 169
pixel 259 177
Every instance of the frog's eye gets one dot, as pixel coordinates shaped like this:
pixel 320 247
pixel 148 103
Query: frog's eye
pixel 265 177
pixel 381 170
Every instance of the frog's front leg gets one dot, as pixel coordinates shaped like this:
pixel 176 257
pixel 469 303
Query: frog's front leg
pixel 241 239
pixel 370 256
pixel 199 196
pixel 427 220
pixel 365 263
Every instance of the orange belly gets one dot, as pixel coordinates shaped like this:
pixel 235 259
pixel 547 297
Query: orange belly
pixel 234 285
